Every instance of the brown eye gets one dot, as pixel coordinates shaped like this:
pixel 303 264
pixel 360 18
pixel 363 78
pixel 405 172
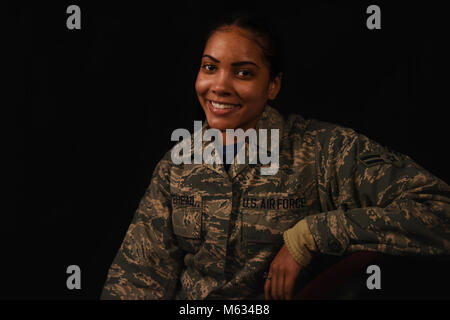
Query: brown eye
pixel 208 67
pixel 244 73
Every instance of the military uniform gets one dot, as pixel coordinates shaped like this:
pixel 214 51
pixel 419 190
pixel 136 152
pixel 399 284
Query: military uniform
pixel 203 233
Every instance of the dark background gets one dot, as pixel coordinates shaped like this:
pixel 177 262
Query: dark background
pixel 94 110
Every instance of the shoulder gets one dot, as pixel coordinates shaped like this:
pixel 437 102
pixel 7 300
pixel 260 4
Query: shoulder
pixel 331 133
pixel 347 144
pixel 324 133
pixel 341 143
pixel 163 167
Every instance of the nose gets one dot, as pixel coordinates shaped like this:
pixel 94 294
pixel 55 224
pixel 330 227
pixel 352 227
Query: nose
pixel 222 84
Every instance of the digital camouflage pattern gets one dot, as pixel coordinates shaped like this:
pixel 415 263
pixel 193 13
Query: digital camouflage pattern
pixel 203 233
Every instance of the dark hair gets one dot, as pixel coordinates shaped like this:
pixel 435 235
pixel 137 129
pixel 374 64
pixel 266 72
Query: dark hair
pixel 265 33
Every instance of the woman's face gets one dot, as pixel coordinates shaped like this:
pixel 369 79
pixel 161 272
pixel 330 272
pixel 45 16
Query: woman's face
pixel 233 84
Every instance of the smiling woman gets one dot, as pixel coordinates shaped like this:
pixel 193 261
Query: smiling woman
pixel 240 71
pixel 243 235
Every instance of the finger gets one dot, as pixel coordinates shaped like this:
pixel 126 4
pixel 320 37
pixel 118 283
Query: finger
pixel 288 287
pixel 267 289
pixel 273 285
pixel 280 285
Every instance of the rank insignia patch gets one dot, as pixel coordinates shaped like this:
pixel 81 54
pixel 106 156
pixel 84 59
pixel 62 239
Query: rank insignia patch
pixel 370 159
pixel 373 159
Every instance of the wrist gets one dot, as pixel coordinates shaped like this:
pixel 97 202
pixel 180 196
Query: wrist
pixel 300 243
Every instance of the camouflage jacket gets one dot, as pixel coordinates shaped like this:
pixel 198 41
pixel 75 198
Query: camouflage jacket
pixel 203 233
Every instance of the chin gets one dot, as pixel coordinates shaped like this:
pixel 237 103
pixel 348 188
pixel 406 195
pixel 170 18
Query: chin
pixel 220 124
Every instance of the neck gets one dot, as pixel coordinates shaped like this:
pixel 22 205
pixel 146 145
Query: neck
pixel 227 142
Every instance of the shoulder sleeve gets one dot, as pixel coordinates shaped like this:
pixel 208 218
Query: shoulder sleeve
pixel 148 263
pixel 379 200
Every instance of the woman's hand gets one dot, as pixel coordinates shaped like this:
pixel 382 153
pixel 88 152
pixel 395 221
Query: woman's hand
pixel 282 274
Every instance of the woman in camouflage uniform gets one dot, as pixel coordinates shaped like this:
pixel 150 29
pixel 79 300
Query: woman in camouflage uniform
pixel 207 231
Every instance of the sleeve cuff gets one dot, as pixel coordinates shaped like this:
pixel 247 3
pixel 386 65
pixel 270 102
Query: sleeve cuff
pixel 300 243
pixel 329 232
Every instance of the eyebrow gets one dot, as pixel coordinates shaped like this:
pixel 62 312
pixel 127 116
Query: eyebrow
pixel 234 64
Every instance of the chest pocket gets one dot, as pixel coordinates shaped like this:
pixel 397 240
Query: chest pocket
pixel 264 219
pixel 187 215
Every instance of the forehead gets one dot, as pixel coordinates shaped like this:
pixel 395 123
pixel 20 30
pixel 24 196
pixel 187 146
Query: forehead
pixel 234 44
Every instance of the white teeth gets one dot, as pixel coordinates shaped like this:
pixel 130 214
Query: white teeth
pixel 223 106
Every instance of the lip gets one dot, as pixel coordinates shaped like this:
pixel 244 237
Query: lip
pixel 222 112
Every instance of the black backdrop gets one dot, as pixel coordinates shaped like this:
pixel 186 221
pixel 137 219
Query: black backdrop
pixel 94 110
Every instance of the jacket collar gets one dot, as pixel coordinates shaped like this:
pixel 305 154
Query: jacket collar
pixel 270 119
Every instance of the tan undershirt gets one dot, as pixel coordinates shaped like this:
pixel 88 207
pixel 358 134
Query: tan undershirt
pixel 300 243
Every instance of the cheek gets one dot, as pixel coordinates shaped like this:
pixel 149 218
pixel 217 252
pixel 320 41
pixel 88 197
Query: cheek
pixel 201 85
pixel 252 92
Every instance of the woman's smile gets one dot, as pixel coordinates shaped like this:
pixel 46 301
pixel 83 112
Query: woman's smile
pixel 222 108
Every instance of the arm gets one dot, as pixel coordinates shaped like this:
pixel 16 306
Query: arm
pixel 374 200
pixel 148 263
pixel 381 201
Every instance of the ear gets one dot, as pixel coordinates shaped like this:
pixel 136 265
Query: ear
pixel 275 86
